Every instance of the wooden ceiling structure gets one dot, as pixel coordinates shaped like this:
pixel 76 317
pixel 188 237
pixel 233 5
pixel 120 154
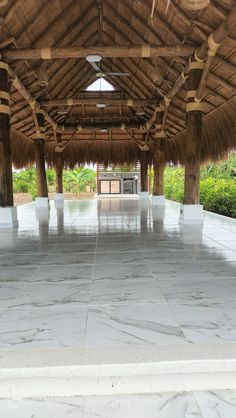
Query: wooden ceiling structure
pixel 45 44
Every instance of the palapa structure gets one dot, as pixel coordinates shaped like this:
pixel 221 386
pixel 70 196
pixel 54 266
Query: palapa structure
pixel 171 63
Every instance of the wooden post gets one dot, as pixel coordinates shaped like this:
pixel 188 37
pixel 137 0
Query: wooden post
pixel 59 172
pixel 193 146
pixel 159 156
pixel 158 180
pixel 97 182
pixel 38 139
pixel 144 171
pixel 6 187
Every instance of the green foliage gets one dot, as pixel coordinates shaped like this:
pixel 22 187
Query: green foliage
pixel 75 181
pixel 51 176
pixel 79 179
pixel 222 170
pixel 219 195
pixel 217 187
pixel 174 184
pixel 25 182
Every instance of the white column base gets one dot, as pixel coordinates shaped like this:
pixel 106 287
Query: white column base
pixel 42 202
pixel 158 200
pixel 59 196
pixel 191 214
pixel 42 214
pixel 144 195
pixel 8 217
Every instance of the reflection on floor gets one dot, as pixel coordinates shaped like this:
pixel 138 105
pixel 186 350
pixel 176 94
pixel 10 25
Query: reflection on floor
pixel 112 273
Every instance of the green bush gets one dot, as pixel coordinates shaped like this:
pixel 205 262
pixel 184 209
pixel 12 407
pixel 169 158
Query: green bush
pixel 174 184
pixel 219 195
pixel 79 179
pixel 217 186
pixel 25 182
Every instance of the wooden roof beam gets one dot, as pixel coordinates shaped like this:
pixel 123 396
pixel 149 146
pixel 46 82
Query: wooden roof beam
pixel 102 126
pixel 100 99
pixel 201 54
pixel 28 97
pixel 128 51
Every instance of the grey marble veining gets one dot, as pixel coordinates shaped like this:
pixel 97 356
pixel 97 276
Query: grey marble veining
pixel 53 326
pixel 217 404
pixel 117 324
pixel 116 272
pixel 165 405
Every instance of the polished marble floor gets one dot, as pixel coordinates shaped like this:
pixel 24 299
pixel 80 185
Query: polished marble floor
pixel 218 404
pixel 115 272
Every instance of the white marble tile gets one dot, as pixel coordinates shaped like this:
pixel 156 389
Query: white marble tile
pixel 139 256
pixel 67 258
pixel 176 268
pixel 43 327
pixel 122 272
pixel 132 257
pixel 198 291
pixel 15 274
pixel 42 408
pixel 63 273
pixel 36 295
pixel 217 404
pixel 211 323
pixel 132 324
pixel 10 260
pixel 213 255
pixel 165 405
pixel 229 244
pixel 114 247
pixel 125 291
pixel 221 269
pixel 75 247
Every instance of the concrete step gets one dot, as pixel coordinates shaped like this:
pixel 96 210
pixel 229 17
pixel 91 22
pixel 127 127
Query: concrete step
pixel 132 370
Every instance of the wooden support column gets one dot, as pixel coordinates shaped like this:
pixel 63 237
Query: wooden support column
pixel 159 156
pixel 158 180
pixel 144 171
pixel 59 172
pixel 194 128
pixel 6 187
pixel 38 139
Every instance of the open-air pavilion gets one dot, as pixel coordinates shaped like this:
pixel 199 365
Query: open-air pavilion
pixel 116 307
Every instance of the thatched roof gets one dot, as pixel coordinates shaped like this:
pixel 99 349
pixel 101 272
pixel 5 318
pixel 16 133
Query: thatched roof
pixel 28 25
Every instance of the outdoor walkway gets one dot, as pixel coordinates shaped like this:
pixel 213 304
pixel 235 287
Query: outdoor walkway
pixel 115 273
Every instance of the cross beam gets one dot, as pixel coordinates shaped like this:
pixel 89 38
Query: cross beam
pixel 96 100
pixel 127 51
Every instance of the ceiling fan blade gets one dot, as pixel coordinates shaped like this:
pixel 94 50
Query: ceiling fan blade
pixel 119 74
pixel 95 66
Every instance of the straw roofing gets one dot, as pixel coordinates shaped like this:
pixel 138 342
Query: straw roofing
pixel 219 137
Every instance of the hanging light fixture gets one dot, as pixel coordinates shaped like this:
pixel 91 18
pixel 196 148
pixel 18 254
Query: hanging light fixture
pixel 93 58
pixel 194 5
pixel 100 105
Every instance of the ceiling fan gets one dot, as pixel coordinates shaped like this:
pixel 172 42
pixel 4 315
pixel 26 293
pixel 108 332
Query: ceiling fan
pixel 94 60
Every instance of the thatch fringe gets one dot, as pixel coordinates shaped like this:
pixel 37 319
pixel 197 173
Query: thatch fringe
pixel 22 149
pixel 219 138
pixel 102 152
